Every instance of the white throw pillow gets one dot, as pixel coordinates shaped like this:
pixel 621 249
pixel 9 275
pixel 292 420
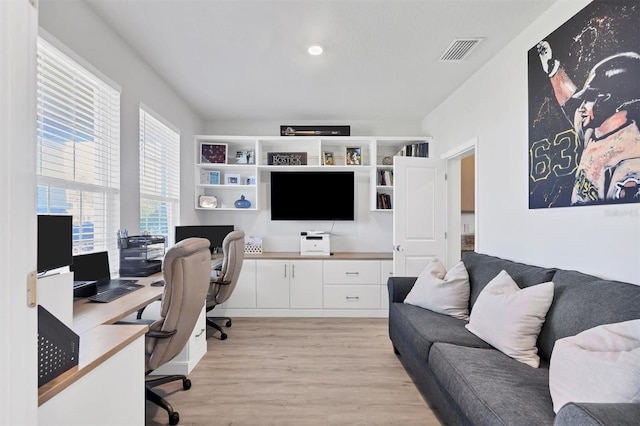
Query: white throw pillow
pixel 441 291
pixel 510 318
pixel 601 364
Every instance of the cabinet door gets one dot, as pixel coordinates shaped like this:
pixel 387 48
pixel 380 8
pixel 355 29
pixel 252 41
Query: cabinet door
pixel 386 271
pixel 244 295
pixel 272 283
pixel 305 284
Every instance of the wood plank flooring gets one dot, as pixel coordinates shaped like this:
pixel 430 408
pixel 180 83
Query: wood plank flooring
pixel 298 371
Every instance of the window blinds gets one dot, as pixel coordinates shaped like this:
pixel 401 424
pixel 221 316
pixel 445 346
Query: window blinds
pixel 159 176
pixel 78 149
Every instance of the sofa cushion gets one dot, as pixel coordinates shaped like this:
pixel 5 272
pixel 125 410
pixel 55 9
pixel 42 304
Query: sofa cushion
pixel 482 268
pixel 601 364
pixel 510 318
pixel 442 291
pixel 420 328
pixel 491 388
pixel 583 301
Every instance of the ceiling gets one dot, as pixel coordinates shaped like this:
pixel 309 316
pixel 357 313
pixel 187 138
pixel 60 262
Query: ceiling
pixel 247 60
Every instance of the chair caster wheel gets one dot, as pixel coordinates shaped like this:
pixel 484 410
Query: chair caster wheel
pixel 186 384
pixel 174 418
pixel 223 336
pixel 228 323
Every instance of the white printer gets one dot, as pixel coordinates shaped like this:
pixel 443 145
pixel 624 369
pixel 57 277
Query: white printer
pixel 314 243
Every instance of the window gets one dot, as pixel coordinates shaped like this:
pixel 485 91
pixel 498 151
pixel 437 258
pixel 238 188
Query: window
pixel 159 176
pixel 78 150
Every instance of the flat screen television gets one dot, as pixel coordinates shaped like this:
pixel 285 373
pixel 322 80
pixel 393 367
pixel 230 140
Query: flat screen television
pixel 309 195
pixel 214 233
pixel 55 242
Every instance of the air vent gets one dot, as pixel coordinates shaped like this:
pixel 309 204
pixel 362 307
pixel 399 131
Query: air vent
pixel 459 49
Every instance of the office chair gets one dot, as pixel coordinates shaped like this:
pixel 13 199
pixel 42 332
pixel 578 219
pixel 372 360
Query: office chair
pixel 222 285
pixel 187 270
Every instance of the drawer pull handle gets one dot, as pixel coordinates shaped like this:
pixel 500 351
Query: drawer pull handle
pixel 202 330
pixel 349 298
pixel 353 273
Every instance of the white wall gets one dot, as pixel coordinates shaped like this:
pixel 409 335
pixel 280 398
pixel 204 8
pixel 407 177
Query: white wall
pixel 492 106
pixel 74 24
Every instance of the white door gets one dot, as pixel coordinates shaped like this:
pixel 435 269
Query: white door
pixel 272 283
pixel 419 209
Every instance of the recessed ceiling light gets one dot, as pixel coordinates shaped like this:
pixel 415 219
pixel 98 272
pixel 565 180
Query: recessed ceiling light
pixel 315 50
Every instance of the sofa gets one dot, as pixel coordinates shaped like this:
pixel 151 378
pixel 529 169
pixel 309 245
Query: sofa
pixel 468 382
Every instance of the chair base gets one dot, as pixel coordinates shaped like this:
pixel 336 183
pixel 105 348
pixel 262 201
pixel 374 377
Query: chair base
pixel 174 417
pixel 211 321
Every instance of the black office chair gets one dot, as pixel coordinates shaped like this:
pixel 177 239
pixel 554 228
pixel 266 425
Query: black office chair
pixel 187 270
pixel 223 284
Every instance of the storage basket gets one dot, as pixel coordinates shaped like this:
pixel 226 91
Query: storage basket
pixel 252 248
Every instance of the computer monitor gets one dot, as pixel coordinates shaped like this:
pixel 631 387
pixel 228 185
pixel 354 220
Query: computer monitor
pixel 55 234
pixel 214 233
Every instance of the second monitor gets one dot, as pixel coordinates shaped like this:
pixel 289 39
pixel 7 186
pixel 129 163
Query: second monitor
pixel 214 233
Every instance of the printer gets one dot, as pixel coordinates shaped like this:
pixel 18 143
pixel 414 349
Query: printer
pixel 314 243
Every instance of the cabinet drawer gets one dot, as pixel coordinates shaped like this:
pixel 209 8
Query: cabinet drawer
pixel 198 338
pixel 352 272
pixel 352 297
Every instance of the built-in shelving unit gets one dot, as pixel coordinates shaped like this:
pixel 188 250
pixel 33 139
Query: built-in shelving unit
pixel 232 165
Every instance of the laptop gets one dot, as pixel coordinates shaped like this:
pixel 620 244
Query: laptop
pixel 94 267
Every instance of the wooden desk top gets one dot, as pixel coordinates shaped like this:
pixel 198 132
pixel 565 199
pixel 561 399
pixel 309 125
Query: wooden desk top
pixel 87 315
pixel 344 255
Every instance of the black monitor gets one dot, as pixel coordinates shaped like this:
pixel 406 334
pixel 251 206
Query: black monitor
pixel 214 233
pixel 55 242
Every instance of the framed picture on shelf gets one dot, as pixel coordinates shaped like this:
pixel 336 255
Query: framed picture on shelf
pixel 327 158
pixel 353 156
pixel 231 179
pixel 213 153
pixel 209 177
pixel 245 157
pixel 250 180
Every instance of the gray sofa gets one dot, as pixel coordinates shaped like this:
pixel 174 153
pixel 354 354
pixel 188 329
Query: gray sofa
pixel 468 382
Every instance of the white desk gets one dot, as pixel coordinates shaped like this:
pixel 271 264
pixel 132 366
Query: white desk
pixel 107 386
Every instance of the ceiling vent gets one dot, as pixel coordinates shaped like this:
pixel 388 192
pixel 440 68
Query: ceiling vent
pixel 459 49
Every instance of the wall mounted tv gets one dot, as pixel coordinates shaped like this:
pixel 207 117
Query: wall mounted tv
pixel 55 242
pixel 309 195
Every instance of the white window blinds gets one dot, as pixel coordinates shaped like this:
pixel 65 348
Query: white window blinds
pixel 78 150
pixel 159 176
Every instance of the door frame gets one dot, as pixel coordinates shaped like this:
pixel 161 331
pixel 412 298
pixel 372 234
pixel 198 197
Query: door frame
pixel 453 195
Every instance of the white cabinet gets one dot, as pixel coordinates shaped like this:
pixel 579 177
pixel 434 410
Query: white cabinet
pixel 244 294
pixel 289 284
pixel 192 353
pixel 386 271
pixel 352 284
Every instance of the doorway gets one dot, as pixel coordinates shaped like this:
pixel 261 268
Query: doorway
pixel 462 200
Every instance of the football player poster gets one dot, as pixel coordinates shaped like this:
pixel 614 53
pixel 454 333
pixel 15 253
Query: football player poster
pixel 584 109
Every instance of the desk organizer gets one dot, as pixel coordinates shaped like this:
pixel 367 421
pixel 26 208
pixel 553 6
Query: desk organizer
pixel 252 245
pixel 58 347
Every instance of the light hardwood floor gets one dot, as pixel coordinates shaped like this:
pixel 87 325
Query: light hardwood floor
pixel 298 371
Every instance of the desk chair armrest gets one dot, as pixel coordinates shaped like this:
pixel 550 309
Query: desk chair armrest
pixel 220 282
pixel 158 334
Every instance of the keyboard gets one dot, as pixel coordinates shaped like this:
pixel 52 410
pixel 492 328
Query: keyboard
pixel 114 293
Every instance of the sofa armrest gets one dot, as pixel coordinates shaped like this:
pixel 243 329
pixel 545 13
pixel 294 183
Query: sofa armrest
pixel 598 414
pixel 399 287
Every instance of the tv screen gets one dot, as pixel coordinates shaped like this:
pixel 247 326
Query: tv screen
pixel 312 195
pixel 55 242
pixel 214 233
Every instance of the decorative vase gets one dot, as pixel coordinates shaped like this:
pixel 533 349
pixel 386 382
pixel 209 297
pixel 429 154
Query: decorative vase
pixel 242 203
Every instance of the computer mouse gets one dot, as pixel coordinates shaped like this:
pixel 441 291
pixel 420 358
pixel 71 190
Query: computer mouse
pixel 158 283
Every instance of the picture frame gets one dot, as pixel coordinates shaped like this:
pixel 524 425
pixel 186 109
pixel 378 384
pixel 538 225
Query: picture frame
pixel 213 153
pixel 327 158
pixel 231 179
pixel 209 177
pixel 245 157
pixel 250 180
pixel 353 156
